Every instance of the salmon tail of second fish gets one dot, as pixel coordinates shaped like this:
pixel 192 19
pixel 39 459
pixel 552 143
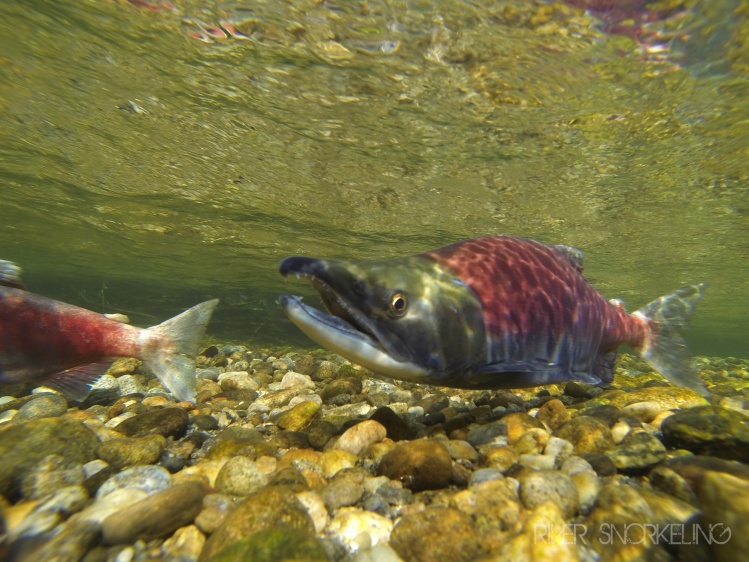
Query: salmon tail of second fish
pixel 169 349
pixel 664 346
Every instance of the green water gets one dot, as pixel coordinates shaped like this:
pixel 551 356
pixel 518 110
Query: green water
pixel 142 170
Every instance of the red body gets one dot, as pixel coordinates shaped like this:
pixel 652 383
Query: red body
pixel 41 336
pixel 537 305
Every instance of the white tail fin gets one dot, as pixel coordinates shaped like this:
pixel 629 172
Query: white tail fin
pixel 664 347
pixel 172 346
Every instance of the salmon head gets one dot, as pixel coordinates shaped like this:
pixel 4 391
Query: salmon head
pixel 407 318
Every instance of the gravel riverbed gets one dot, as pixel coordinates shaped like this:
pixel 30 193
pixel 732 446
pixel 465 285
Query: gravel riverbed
pixel 297 455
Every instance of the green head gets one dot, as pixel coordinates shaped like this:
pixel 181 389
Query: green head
pixel 407 318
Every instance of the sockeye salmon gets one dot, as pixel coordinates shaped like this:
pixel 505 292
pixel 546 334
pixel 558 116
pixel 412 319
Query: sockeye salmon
pixel 67 348
pixel 493 312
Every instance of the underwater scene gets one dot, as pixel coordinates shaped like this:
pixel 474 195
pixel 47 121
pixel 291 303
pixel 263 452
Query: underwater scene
pixel 374 281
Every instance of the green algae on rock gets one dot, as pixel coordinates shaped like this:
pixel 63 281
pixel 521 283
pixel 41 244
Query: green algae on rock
pixel 25 444
pixel 270 510
pixel 709 430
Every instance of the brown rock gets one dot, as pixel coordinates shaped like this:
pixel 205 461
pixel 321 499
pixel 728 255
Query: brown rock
pixel 587 435
pixel 169 422
pixel 128 451
pixel 436 534
pixel 517 424
pixel 553 413
pixel 270 509
pixel 155 516
pixel 424 464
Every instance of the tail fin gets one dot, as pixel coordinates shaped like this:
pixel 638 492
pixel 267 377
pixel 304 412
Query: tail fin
pixel 665 348
pixel 172 360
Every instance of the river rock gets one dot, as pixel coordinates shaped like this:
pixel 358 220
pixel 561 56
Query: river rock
pixel 424 464
pixel 669 397
pixel 299 416
pixel 553 413
pixel 725 505
pixel 538 487
pixel 23 445
pixel 43 406
pixel 71 544
pixel 347 385
pixel 518 423
pixel 532 441
pixel 240 476
pixel 150 478
pixel 240 441
pixel 169 422
pixel 113 502
pixel 341 492
pixel 357 438
pixel 639 451
pixel 184 545
pixel 461 450
pixel 356 528
pixel 493 433
pixel 709 430
pixel 269 510
pixel 682 476
pixel 546 537
pixel 396 428
pixel 334 460
pixel 215 509
pixel 643 411
pixel 492 506
pixel 49 475
pixel 587 435
pixel 273 545
pixel 127 451
pixel 436 534
pixel 155 516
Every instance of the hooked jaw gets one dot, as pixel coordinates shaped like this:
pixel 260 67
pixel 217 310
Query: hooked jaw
pixel 345 329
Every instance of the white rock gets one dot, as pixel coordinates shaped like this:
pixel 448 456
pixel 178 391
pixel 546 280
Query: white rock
pixel 147 477
pixel 316 509
pixel 237 380
pixel 557 447
pixel 115 421
pixel 358 529
pixel 91 468
pixel 185 544
pixel 305 398
pixel 643 411
pixel 588 485
pixel 293 379
pixel 7 415
pixel 131 385
pixel 573 465
pixel 357 438
pixel 537 461
pixel 399 408
pixel 619 431
pixel 111 503
pixel 379 553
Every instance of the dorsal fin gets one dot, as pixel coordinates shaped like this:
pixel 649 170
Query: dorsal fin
pixel 10 275
pixel 573 255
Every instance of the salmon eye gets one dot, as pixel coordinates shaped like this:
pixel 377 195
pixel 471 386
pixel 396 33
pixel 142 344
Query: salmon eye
pixel 398 304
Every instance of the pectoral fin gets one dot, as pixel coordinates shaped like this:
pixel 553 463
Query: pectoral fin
pixel 76 383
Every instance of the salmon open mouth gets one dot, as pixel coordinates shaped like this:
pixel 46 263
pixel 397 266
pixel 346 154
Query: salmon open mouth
pixel 343 328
